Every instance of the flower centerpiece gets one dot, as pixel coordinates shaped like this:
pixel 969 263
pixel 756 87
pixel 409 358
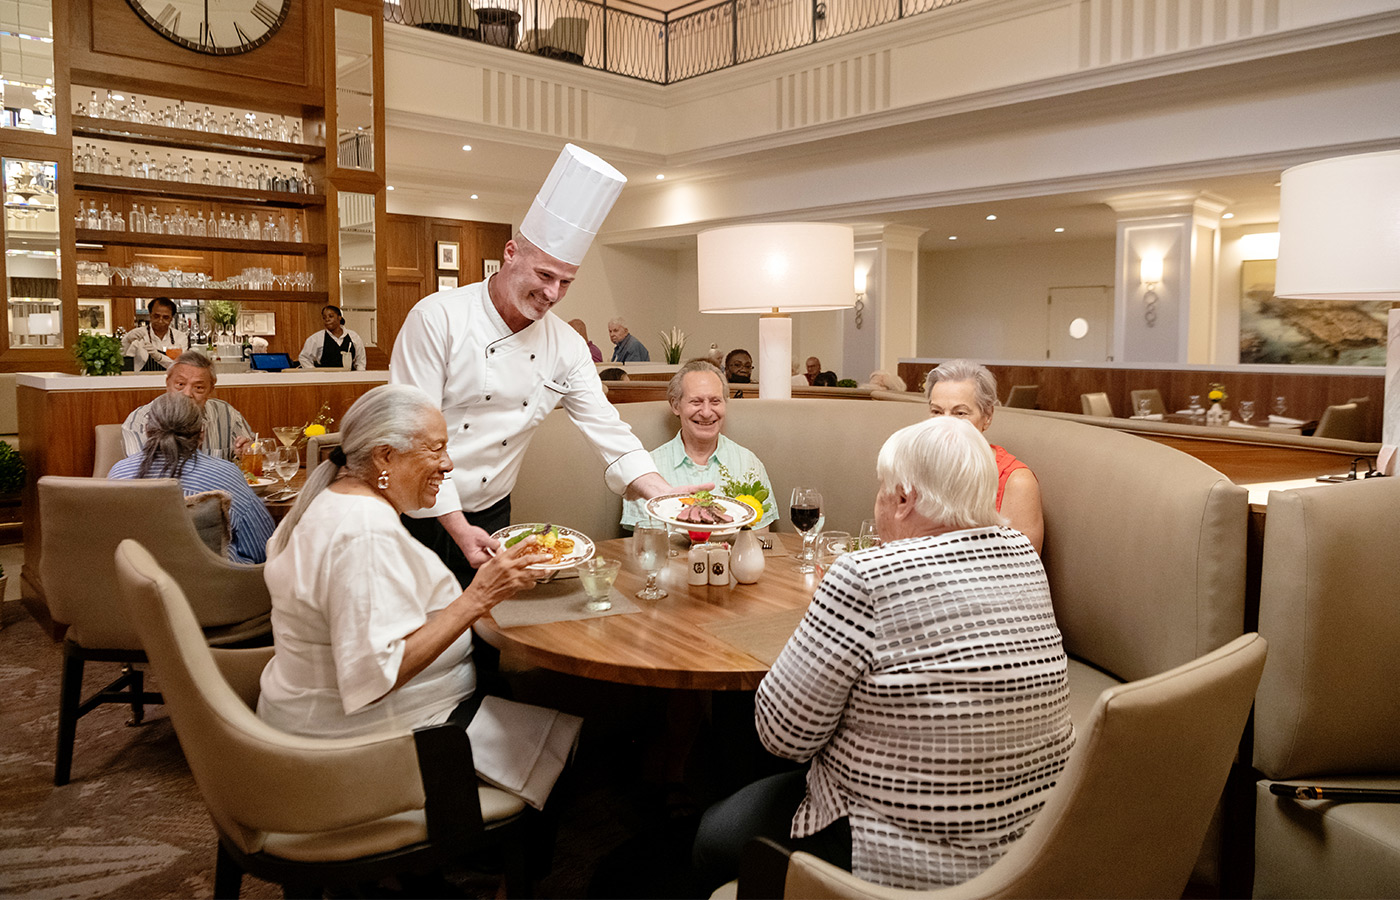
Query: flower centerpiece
pixel 1217 393
pixel 319 424
pixel 748 490
pixel 1217 414
pixel 672 343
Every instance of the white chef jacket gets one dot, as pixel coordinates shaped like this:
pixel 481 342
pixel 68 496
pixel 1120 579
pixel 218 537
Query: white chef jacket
pixel 494 388
pixel 311 351
pixel 140 343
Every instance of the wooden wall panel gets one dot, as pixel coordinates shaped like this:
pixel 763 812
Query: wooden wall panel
pixel 1307 395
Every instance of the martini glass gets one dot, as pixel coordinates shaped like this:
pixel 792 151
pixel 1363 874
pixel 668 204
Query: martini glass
pixel 287 434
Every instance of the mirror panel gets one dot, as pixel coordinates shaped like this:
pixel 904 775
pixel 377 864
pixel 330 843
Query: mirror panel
pixel 31 253
pixel 354 90
pixel 357 278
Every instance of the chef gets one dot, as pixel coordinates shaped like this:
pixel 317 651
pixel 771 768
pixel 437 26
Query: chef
pixel 496 360
pixel 146 344
pixel 334 347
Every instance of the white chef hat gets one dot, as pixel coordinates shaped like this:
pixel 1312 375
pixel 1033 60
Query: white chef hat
pixel 572 204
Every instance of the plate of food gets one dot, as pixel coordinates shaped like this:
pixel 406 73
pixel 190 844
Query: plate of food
pixel 259 483
pixel 567 546
pixel 703 511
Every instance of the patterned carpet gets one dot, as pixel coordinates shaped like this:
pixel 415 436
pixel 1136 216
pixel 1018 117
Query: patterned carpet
pixel 131 822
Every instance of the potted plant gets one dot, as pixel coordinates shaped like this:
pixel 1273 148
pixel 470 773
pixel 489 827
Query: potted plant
pixel 98 354
pixel 672 344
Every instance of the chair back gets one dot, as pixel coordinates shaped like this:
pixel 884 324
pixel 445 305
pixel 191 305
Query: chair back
pixel 319 448
pixel 1154 399
pixel 81 522
pixel 1128 816
pixel 1329 604
pixel 1023 396
pixel 254 778
pixel 1342 422
pixel 1096 405
pixel 108 449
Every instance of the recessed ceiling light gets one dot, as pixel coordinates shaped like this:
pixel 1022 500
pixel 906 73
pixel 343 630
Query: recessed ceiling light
pixel 660 177
pixel 952 237
pixel 389 188
pixel 1228 216
pixel 467 147
pixel 991 218
pixel 1060 230
pixel 474 197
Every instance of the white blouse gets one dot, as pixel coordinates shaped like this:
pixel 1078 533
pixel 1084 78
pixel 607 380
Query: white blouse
pixel 347 589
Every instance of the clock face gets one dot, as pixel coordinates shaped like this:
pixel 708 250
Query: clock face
pixel 219 27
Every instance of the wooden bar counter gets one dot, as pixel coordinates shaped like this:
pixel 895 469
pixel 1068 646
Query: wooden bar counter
pixel 58 414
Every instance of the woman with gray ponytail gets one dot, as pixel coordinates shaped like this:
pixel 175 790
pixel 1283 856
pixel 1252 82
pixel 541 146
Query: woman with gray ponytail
pixel 174 432
pixel 372 630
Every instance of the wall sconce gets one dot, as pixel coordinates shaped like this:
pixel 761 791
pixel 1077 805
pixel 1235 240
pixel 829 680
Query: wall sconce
pixel 860 296
pixel 1151 276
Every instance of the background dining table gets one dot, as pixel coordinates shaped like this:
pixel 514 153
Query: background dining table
pixel 705 637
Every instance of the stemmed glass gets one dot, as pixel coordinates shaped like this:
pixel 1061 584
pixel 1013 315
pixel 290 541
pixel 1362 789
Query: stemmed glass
pixel 651 544
pixel 1144 408
pixel 831 545
pixel 285 462
pixel 598 575
pixel 1197 411
pixel 287 434
pixel 869 535
pixel 1246 411
pixel 1280 404
pixel 805 510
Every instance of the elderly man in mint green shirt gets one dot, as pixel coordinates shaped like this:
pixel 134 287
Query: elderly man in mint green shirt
pixel 699 453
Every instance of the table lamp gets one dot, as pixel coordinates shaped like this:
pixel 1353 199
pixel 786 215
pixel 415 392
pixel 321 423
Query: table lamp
pixel 774 269
pixel 1339 239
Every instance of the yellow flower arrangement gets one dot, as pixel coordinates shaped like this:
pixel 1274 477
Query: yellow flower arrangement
pixel 753 503
pixel 1217 393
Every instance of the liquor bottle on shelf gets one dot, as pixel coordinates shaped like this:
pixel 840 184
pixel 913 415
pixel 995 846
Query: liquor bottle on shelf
pixel 296 231
pixel 254 229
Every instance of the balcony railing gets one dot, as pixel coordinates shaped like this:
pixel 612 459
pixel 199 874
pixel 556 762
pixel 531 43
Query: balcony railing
pixel 650 44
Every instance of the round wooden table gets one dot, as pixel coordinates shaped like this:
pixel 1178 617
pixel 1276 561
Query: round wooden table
pixel 666 644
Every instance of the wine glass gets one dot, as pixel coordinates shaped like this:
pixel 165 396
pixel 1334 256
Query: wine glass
pixel 1144 408
pixel 869 535
pixel 1246 411
pixel 831 545
pixel 1197 411
pixel 651 546
pixel 285 462
pixel 1280 404
pixel 805 510
pixel 598 575
pixel 287 434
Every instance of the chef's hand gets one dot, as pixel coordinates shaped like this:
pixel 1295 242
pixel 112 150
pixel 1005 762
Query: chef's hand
pixel 644 487
pixel 477 545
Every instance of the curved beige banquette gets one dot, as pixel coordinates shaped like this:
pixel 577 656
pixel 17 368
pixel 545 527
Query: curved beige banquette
pixel 1144 545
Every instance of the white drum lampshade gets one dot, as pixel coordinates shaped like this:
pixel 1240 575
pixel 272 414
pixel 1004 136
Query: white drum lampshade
pixel 1339 239
pixel 773 269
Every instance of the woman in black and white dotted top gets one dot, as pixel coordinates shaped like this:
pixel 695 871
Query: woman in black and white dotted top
pixel 926 686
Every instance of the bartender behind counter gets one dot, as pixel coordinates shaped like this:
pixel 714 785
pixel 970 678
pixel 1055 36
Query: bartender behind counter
pixel 146 344
pixel 334 347
pixel 495 359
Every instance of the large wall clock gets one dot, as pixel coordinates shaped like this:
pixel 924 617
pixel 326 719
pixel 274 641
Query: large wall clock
pixel 218 27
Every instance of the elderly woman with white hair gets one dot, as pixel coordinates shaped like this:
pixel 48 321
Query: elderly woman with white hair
pixel 372 630
pixel 926 685
pixel 968 391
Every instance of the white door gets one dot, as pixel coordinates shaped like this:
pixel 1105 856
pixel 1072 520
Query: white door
pixel 1080 323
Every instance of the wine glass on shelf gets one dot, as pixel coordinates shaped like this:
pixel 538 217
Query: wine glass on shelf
pixel 651 543
pixel 285 462
pixel 1246 411
pixel 597 575
pixel 805 510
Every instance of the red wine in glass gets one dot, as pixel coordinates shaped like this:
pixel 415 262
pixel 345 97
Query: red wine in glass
pixel 804 518
pixel 805 510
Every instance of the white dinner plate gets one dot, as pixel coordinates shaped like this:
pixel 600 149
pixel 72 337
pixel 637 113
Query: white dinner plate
pixel 260 485
pixel 583 547
pixel 668 506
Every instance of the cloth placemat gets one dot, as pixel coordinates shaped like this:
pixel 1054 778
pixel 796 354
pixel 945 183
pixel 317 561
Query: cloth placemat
pixel 762 637
pixel 556 601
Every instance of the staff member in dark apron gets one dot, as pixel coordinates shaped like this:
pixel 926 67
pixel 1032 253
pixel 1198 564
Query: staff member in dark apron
pixel 335 347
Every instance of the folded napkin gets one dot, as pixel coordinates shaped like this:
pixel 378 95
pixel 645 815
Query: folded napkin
pixel 1284 420
pixel 1155 417
pixel 1235 424
pixel 522 748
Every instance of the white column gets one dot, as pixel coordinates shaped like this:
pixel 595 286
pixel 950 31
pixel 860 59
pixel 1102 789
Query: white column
pixel 774 356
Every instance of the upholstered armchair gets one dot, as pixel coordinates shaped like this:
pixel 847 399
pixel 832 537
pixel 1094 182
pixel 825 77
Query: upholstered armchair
pixel 308 813
pixel 1328 711
pixel 81 522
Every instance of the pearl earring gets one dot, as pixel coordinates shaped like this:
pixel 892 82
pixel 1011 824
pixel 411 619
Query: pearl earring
pixel 384 480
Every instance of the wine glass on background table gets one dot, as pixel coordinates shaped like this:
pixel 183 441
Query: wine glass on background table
pixel 1246 411
pixel 651 545
pixel 285 461
pixel 805 510
pixel 597 575
pixel 1144 408
pixel 1280 404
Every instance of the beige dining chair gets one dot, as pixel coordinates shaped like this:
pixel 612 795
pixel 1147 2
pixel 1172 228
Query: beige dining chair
pixel 81 522
pixel 1023 396
pixel 303 812
pixel 107 449
pixel 1128 815
pixel 1154 399
pixel 1096 404
pixel 318 448
pixel 1341 422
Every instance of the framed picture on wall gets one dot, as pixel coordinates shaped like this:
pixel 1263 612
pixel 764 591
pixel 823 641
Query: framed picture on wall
pixel 447 255
pixel 447 282
pixel 95 316
pixel 490 267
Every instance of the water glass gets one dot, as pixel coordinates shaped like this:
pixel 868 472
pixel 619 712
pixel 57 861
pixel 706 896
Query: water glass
pixel 285 462
pixel 597 575
pixel 869 535
pixel 831 546
pixel 1280 404
pixel 1144 407
pixel 1246 411
pixel 651 545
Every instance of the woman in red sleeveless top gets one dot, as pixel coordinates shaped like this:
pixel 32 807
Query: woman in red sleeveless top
pixel 969 391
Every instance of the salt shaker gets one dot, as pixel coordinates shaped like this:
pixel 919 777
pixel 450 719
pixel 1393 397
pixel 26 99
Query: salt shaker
pixel 698 561
pixel 719 564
